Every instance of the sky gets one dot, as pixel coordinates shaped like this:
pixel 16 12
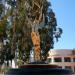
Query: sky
pixel 65 14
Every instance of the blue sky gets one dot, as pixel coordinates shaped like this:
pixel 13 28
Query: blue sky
pixel 65 14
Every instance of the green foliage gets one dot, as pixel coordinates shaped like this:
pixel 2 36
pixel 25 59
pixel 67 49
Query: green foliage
pixel 2 27
pixel 73 52
pixel 1 8
pixel 11 2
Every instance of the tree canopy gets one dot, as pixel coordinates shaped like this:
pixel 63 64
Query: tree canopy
pixel 24 16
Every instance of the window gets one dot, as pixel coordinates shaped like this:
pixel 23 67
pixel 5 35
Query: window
pixel 57 60
pixel 74 68
pixel 68 67
pixel 73 59
pixel 49 59
pixel 67 59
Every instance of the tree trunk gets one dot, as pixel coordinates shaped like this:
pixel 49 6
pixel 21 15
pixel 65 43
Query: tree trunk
pixel 36 44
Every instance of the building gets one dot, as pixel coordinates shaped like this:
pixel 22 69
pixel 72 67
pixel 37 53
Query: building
pixel 64 58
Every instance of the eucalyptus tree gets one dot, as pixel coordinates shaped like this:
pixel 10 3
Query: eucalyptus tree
pixel 4 15
pixel 33 25
pixel 3 24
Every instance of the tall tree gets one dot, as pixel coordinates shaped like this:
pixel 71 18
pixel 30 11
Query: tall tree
pixel 33 25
